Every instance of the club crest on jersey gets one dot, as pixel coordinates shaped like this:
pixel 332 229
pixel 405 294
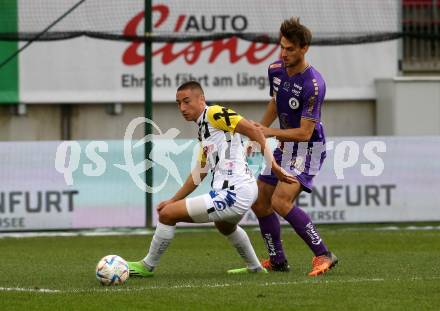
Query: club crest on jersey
pixel 293 103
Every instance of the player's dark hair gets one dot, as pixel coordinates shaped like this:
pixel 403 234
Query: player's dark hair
pixel 295 32
pixel 192 85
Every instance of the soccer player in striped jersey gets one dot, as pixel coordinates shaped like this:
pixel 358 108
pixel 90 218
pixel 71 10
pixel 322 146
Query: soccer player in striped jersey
pixel 234 188
pixel 297 90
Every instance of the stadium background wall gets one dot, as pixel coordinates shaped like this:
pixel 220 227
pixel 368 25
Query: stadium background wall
pixel 362 181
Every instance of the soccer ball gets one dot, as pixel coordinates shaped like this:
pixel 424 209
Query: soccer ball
pixel 112 270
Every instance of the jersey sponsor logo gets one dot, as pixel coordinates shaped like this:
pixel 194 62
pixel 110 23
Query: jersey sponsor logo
pixel 221 203
pixel 293 103
pixel 194 51
pixel 296 89
pixel 225 115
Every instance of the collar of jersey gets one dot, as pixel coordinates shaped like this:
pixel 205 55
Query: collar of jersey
pixel 298 73
pixel 200 118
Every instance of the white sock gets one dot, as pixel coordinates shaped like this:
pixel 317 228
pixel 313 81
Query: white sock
pixel 240 240
pixel 161 239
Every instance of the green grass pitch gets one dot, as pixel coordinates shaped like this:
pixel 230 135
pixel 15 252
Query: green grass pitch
pixel 378 270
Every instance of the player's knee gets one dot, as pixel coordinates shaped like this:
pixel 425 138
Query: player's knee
pixel 257 206
pixel 166 216
pixel 261 209
pixel 225 228
pixel 281 205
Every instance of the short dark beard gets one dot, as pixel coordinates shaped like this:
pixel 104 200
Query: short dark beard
pixel 292 64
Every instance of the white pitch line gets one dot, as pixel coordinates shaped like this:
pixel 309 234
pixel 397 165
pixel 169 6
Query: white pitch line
pixel 36 290
pixel 216 285
pixel 146 232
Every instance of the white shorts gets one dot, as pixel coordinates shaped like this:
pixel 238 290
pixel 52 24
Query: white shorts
pixel 228 204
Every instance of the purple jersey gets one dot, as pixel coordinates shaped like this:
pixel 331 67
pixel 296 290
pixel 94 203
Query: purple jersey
pixel 298 96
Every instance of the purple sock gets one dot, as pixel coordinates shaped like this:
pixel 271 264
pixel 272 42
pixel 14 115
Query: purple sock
pixel 304 227
pixel 271 232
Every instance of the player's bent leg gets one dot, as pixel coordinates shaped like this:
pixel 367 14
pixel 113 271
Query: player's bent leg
pixel 262 207
pixel 168 217
pixel 228 208
pixel 270 228
pixel 197 208
pixel 283 197
pixel 241 242
pixel 159 243
pixel 174 213
pixel 225 228
pixel 282 201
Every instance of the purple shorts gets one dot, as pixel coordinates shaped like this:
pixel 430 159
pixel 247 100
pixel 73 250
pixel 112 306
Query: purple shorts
pixel 306 180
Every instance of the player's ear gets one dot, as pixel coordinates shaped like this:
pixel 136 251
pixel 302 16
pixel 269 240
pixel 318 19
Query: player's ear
pixel 304 49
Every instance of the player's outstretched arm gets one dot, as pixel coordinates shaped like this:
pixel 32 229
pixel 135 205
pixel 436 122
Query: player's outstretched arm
pixel 270 114
pixel 190 184
pixel 302 133
pixel 248 129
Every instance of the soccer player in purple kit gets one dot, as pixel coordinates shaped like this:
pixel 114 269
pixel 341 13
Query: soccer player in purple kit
pixel 297 90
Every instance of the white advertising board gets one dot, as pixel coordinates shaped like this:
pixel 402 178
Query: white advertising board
pixel 85 70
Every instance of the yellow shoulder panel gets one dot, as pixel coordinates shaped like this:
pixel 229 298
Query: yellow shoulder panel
pixel 223 118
